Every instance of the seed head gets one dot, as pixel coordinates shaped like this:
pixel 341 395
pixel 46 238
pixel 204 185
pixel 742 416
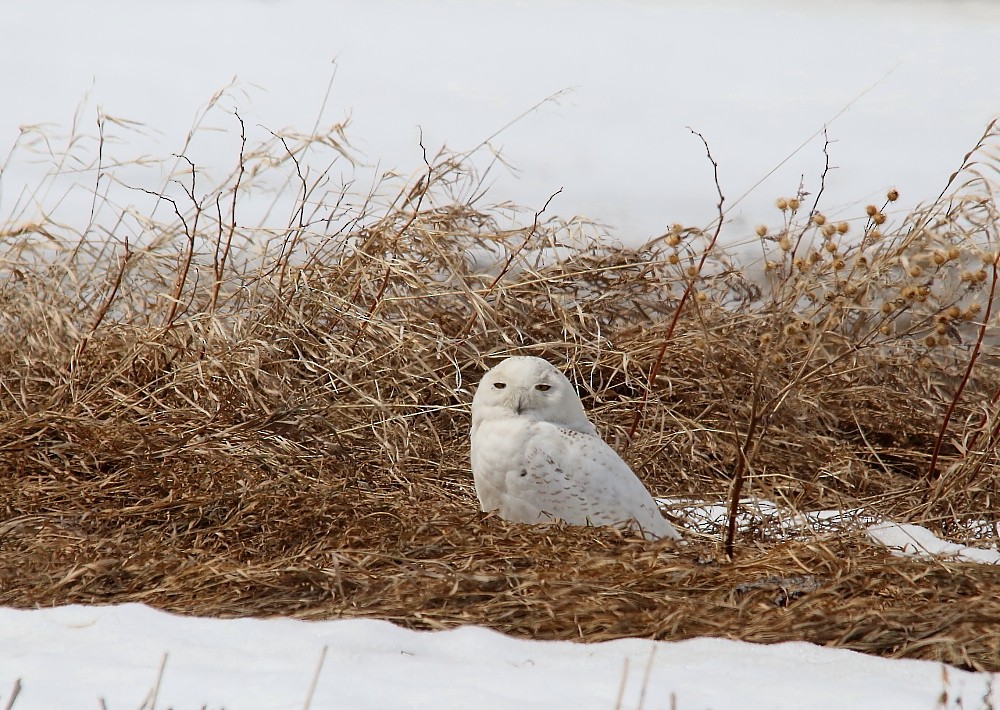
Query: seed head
pixel 941 328
pixel 954 312
pixel 701 297
pixel 676 228
pixel 819 219
pixel 785 243
pixel 954 253
pixel 975 307
pixel 838 264
pixel 940 257
pixel 793 204
pixel 830 247
pixel 761 230
pixel 874 234
pixel 829 230
pixel 842 227
pixel 781 203
pixel 871 210
pixel 892 195
pixel 673 239
pixel 692 271
pixel 673 259
pixel 915 270
pixel 887 307
pixel 878 218
pixel 930 341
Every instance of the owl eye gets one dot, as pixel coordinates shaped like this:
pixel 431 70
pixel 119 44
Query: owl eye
pixel 543 388
pixel 499 385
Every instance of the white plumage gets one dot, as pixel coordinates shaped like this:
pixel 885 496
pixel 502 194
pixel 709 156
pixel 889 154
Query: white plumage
pixel 536 457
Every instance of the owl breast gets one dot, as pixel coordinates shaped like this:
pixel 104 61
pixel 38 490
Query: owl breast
pixel 497 451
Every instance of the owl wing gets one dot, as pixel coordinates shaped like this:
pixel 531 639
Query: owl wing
pixel 578 478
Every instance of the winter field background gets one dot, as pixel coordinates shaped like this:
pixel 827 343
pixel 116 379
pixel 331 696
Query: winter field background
pixel 164 454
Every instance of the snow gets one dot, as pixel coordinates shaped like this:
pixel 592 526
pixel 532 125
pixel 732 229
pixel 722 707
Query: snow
pixel 73 656
pixel 904 539
pixel 777 522
pixel 759 80
pixel 905 89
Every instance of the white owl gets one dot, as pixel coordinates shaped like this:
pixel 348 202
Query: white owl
pixel 536 457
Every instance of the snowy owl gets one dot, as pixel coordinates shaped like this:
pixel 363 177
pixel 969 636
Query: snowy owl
pixel 536 457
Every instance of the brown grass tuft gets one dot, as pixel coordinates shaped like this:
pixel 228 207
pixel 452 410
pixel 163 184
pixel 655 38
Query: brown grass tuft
pixel 228 418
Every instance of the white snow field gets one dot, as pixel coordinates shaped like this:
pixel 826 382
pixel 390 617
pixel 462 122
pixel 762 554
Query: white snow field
pixel 905 89
pixel 76 657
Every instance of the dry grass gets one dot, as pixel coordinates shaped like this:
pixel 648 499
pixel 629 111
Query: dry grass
pixel 223 419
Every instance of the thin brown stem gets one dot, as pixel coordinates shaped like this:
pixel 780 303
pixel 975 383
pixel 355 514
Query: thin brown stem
pixel 688 290
pixel 957 396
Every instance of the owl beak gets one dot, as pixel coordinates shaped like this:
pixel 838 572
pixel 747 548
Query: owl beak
pixel 518 404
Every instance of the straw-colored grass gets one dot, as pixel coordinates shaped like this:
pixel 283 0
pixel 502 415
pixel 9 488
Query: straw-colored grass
pixel 222 418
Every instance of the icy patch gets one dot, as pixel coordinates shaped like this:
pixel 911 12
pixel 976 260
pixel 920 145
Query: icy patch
pixel 917 541
pixel 770 521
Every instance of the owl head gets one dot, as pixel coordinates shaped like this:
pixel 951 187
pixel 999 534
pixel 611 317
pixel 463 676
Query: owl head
pixel 531 388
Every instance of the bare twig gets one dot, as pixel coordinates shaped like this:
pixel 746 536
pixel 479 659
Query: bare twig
pixel 932 476
pixel 689 288
pixel 315 679
pixel 14 692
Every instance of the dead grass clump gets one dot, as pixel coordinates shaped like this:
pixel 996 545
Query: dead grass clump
pixel 220 416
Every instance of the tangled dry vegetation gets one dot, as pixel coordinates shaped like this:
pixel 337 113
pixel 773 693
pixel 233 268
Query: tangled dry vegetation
pixel 223 419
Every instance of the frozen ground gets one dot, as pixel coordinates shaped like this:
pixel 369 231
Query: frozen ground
pixel 75 656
